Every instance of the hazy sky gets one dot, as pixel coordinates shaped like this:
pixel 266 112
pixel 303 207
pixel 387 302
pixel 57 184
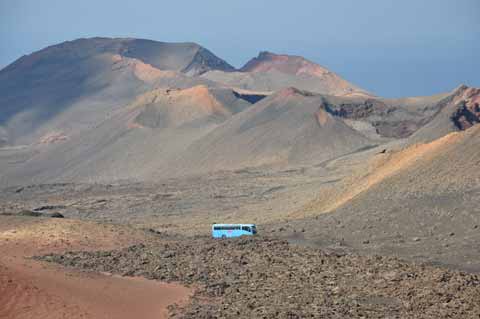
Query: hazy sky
pixel 390 47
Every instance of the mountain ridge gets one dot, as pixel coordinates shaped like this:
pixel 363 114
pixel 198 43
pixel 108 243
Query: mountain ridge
pixel 272 72
pixel 179 109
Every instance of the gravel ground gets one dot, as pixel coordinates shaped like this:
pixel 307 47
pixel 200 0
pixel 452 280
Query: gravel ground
pixel 270 278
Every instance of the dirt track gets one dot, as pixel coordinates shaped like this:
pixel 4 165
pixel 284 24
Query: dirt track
pixel 31 289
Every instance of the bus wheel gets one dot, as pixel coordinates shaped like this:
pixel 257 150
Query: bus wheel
pixel 224 236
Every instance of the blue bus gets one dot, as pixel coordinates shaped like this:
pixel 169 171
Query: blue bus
pixel 233 230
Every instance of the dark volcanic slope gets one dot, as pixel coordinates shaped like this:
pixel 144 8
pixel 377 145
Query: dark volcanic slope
pixel 459 111
pixel 272 72
pixel 389 118
pixel 426 118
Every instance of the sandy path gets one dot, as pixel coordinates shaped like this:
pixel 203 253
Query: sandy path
pixel 30 289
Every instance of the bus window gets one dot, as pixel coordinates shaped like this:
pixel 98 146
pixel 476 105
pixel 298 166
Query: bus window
pixel 246 228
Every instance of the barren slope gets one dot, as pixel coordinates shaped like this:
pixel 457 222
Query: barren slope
pixel 458 147
pixel 108 109
pixel 426 118
pixel 74 85
pixel 193 107
pixel 272 72
pixel 419 202
pixel 290 127
pixel 132 143
pixel 459 111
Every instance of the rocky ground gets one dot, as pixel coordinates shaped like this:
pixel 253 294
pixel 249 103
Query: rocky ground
pixel 254 195
pixel 437 226
pixel 270 278
pixel 309 261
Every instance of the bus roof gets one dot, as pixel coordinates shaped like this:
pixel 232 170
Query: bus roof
pixel 233 225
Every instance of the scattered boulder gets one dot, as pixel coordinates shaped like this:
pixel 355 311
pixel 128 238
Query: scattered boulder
pixel 33 213
pixel 19 190
pixel 49 207
pixel 56 215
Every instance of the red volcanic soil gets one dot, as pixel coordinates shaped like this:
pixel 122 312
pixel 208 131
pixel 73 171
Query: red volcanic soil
pixel 32 289
pixel 143 71
pixel 295 65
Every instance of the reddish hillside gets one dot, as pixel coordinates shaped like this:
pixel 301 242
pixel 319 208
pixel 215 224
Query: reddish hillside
pixel 272 72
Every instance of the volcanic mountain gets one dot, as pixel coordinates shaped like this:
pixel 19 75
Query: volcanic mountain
pixel 195 106
pixel 107 109
pixel 458 111
pixel 290 127
pixel 72 86
pixel 272 72
pixel 169 139
pixel 133 141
